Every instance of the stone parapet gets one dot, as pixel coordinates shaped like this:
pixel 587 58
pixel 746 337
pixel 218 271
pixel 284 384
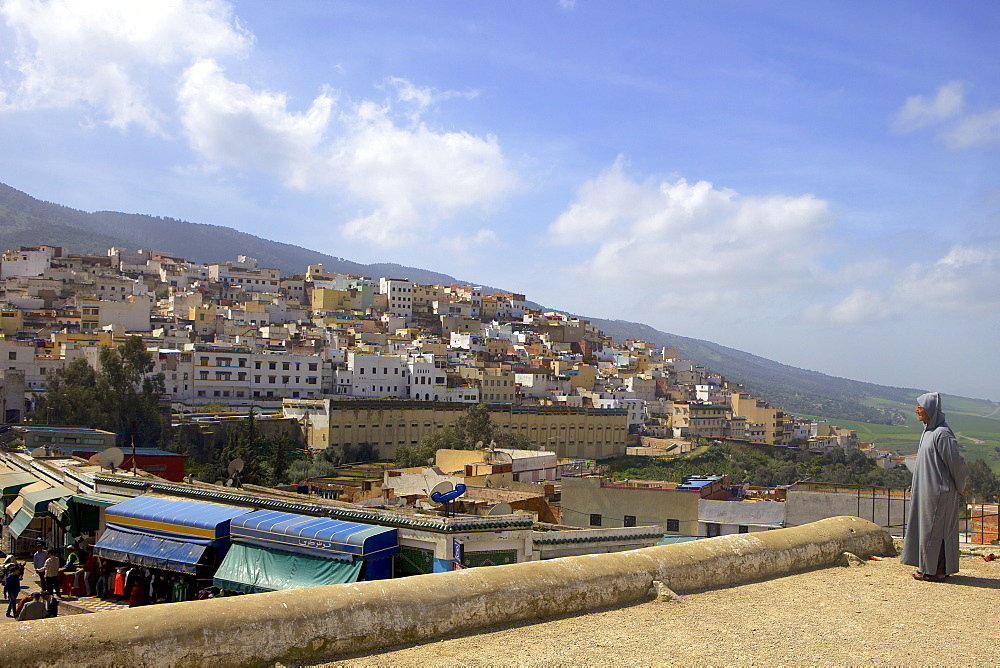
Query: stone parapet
pixel 323 623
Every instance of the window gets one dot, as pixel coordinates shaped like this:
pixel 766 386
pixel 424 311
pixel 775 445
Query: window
pixel 12 356
pixel 673 525
pixel 744 529
pixel 595 519
pixel 712 530
pixel 630 520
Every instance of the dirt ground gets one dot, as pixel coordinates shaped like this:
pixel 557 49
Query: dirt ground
pixel 873 614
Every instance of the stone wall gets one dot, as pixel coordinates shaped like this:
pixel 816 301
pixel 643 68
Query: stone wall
pixel 323 623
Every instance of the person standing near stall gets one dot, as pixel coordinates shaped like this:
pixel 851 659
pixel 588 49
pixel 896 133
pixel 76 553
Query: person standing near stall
pixel 51 571
pixel 38 561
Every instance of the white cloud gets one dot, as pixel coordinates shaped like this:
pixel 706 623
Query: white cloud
pixel 117 58
pixel 464 248
pixel 975 130
pixel 945 111
pixel 408 175
pixel 231 124
pixel 141 63
pixel 966 278
pixel 919 111
pixel 861 305
pixel 692 245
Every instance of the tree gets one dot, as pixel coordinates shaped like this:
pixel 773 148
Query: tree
pixel 121 397
pixel 71 398
pixel 130 396
pixel 472 430
pixel 983 482
pixel 476 426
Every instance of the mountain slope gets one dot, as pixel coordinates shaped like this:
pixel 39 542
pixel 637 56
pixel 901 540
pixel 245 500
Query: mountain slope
pixel 26 221
pixel 796 390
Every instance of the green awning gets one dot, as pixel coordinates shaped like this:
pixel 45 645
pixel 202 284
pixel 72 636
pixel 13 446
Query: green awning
pixel 11 483
pixel 251 570
pixel 84 514
pixel 37 502
pixel 20 523
pixel 59 509
pixel 98 500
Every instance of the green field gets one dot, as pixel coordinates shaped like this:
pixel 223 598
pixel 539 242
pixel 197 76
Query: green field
pixel 975 422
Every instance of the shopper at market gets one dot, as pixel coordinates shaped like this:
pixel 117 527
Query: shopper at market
pixel 12 588
pixel 51 570
pixel 38 560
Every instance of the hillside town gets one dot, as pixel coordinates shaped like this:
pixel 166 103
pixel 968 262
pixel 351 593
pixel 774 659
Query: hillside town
pixel 240 335
pixel 342 363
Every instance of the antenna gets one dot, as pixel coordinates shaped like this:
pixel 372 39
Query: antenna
pixel 111 458
pixel 133 447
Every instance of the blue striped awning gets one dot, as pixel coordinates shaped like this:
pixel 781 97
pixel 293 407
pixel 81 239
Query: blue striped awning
pixel 149 551
pixel 319 536
pixel 190 521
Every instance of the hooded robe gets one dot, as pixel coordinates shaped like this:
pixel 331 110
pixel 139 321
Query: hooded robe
pixel 939 479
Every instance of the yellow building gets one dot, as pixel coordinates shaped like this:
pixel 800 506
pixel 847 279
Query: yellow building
pixel 327 300
pixel 596 501
pixel 384 425
pixel 11 321
pixel 496 386
pixel 776 429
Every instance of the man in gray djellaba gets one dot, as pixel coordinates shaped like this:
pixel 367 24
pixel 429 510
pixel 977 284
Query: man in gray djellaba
pixel 939 478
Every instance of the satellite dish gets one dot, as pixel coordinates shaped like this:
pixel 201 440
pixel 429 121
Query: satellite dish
pixel 111 458
pixel 234 469
pixel 38 452
pixel 500 509
pixel 189 478
pixel 501 457
pixel 442 487
pixel 479 445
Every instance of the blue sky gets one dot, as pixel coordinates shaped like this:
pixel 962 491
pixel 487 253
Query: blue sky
pixel 813 182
